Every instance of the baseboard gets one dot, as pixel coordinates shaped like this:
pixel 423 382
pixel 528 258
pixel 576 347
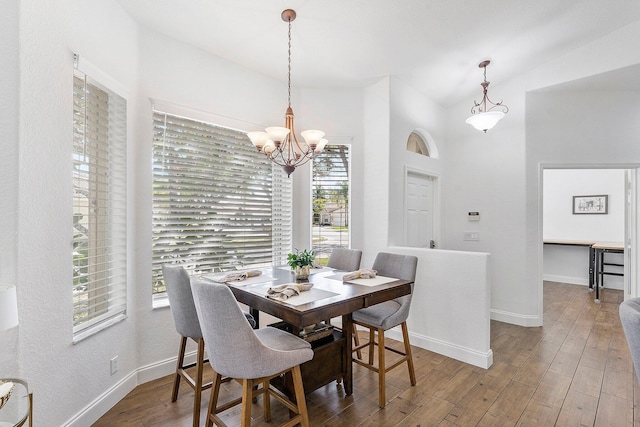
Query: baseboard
pixel 454 351
pixel 107 400
pixel 516 319
pixel 566 279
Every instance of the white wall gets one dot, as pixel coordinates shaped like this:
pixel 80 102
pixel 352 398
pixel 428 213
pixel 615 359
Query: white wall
pixel 497 173
pixel 569 264
pixel 559 187
pixel 450 304
pixel 410 110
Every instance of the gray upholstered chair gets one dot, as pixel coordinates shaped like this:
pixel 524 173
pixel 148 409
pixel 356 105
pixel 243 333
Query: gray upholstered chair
pixel 386 315
pixel 345 259
pixel 630 317
pixel 250 356
pixel 183 309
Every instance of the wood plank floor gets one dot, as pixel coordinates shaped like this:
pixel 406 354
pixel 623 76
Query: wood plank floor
pixel 574 371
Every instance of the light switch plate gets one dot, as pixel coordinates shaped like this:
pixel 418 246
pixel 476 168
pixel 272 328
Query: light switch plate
pixel 473 236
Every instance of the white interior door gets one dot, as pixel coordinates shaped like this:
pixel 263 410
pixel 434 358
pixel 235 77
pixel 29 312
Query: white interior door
pixel 419 208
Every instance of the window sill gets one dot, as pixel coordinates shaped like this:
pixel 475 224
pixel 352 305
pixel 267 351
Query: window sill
pixel 160 301
pixel 86 333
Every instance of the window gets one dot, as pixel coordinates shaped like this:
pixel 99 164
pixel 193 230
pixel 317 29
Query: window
pixel 99 206
pixel 218 203
pixel 330 197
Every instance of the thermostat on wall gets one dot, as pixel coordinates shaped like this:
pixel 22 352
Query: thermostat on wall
pixel 474 216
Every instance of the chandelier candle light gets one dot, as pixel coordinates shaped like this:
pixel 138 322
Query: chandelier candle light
pixel 486 114
pixel 280 144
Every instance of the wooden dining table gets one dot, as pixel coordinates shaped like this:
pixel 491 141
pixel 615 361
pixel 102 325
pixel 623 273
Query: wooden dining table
pixel 328 298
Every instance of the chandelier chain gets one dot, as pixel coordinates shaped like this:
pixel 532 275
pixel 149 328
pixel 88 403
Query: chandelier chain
pixel 289 69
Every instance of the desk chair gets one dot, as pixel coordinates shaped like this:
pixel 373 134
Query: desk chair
pixel 345 259
pixel 386 315
pixel 252 357
pixel 178 286
pixel 630 318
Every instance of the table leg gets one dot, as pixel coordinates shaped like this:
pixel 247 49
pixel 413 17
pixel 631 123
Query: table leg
pixel 256 315
pixel 592 262
pixel 598 274
pixel 347 331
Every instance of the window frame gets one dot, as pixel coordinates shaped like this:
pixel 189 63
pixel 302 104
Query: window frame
pixel 279 248
pixel 111 224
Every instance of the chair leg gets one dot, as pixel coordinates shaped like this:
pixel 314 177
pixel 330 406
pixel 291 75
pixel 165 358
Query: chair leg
pixel 407 350
pixel 179 364
pixel 382 399
pixel 213 403
pixel 371 345
pixel 247 393
pixel 356 340
pixel 197 398
pixel 266 401
pixel 300 398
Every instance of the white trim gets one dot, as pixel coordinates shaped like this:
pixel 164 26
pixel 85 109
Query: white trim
pixel 566 279
pixel 107 400
pixel 203 116
pixel 104 79
pixel 463 354
pixel 529 320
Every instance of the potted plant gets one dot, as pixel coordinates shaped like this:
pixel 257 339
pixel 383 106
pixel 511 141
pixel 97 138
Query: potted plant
pixel 301 262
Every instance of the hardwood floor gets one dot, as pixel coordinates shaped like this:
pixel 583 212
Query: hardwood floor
pixel 576 370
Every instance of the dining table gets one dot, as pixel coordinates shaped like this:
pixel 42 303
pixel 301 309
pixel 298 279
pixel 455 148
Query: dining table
pixel 329 297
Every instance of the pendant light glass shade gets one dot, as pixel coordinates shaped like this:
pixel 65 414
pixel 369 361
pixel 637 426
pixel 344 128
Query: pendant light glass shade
pixel 485 114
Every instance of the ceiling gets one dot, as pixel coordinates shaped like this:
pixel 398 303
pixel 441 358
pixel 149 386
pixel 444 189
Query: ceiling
pixel 433 45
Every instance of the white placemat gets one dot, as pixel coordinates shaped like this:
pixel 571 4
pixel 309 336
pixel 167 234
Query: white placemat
pixel 336 277
pixel 378 280
pixel 217 277
pixel 305 297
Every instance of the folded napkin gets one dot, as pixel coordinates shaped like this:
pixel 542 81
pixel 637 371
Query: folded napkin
pixel 360 274
pixel 288 290
pixel 237 277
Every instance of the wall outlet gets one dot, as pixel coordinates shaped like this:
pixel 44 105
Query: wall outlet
pixel 114 365
pixel 471 236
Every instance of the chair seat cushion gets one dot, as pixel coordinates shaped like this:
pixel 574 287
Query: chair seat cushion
pixel 379 315
pixel 281 340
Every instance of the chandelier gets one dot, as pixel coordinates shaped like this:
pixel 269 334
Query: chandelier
pixel 280 144
pixel 486 114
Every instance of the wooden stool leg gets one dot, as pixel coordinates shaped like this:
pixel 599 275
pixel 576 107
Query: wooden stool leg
pixel 247 393
pixel 371 345
pixel 198 382
pixel 266 401
pixel 213 403
pixel 356 340
pixel 407 350
pixel 179 364
pixel 382 399
pixel 300 398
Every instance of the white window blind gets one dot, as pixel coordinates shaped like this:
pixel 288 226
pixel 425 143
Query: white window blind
pixel 330 200
pixel 99 206
pixel 218 203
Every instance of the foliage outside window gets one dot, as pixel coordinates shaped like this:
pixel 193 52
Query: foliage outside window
pixel 330 201
pixel 218 204
pixel 99 204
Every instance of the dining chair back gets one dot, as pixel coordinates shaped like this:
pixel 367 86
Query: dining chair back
pixel 630 318
pixel 185 318
pixel 384 316
pixel 250 356
pixel 345 259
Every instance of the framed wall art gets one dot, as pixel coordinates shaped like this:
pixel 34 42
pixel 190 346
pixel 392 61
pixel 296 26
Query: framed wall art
pixel 590 204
